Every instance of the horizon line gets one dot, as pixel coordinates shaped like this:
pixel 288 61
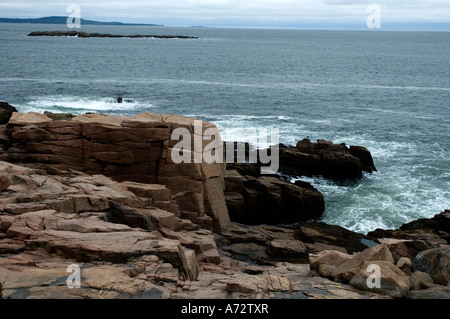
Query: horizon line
pixel 319 26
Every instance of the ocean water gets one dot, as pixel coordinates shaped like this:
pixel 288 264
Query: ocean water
pixel 387 91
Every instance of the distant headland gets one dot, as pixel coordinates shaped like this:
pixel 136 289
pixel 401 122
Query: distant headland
pixel 63 20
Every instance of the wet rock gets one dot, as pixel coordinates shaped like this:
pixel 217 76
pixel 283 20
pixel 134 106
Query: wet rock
pixel 335 161
pixel 128 216
pixel 365 157
pixel 6 111
pixel 288 250
pixel 248 252
pixel 6 106
pixel 322 158
pixel 268 200
pixel 432 231
pixel 436 263
pixel 318 232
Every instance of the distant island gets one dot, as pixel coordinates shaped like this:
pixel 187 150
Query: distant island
pixel 82 34
pixel 63 20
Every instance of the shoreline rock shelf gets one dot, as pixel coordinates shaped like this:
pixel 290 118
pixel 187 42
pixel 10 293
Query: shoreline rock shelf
pixel 101 192
pixel 82 34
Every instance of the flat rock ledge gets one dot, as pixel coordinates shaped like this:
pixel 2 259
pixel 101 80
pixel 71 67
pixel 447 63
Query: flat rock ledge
pixel 129 241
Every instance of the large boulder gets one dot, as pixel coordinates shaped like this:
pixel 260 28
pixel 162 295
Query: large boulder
pixel 347 270
pixel 269 200
pixel 326 262
pixel 328 257
pixel 436 263
pixel 392 281
pixel 6 112
pixel 401 248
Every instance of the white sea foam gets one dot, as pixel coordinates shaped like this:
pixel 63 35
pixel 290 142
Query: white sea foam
pixel 290 85
pixel 327 122
pixel 79 105
pixel 243 117
pixel 246 128
pixel 407 186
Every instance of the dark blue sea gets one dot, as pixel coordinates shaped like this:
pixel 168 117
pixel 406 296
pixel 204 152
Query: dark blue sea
pixel 387 91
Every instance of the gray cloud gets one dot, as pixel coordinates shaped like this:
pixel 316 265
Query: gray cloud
pixel 258 11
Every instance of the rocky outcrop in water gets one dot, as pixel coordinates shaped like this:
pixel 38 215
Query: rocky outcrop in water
pixel 323 158
pixel 82 34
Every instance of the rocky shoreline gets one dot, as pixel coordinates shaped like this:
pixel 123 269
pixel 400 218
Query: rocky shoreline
pixel 102 192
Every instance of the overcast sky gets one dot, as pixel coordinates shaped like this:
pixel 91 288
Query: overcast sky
pixel 240 12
